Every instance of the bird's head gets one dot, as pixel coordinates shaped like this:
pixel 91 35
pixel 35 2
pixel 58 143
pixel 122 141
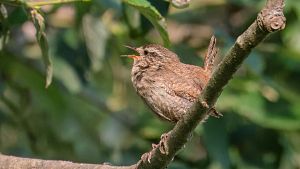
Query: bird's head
pixel 153 54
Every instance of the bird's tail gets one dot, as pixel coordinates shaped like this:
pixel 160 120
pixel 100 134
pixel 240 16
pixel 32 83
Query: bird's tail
pixel 210 55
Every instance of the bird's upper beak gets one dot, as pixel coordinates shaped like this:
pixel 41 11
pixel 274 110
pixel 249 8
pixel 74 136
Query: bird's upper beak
pixel 130 47
pixel 132 56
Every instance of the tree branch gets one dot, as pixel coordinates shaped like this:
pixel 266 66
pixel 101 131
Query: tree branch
pixel 11 162
pixel 269 20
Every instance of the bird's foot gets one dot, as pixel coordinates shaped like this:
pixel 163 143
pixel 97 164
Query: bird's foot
pixel 162 146
pixel 204 104
pixel 147 156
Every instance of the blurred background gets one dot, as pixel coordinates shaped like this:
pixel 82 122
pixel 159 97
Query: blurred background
pixel 91 113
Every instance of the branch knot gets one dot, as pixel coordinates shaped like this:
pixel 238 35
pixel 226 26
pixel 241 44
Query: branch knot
pixel 271 19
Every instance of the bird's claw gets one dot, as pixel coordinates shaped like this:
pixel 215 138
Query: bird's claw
pixel 204 104
pixel 146 157
pixel 162 146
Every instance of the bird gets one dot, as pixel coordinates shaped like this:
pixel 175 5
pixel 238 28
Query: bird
pixel 168 86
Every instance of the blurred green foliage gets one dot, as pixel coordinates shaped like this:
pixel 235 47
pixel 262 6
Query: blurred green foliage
pixel 90 112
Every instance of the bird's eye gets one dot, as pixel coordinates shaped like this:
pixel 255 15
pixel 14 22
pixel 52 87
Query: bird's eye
pixel 146 52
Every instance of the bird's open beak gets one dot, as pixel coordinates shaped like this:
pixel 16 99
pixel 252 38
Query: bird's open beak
pixel 131 56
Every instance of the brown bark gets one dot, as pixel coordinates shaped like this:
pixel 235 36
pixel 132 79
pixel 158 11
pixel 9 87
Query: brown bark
pixel 11 162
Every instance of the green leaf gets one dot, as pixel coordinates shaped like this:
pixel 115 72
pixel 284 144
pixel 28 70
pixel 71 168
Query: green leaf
pixel 96 37
pixel 152 14
pixel 3 12
pixel 39 24
pixel 133 19
pixel 66 74
pixel 4 26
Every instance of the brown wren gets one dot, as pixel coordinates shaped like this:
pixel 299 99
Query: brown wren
pixel 168 86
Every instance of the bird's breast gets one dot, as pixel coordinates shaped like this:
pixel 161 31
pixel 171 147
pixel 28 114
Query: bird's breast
pixel 156 90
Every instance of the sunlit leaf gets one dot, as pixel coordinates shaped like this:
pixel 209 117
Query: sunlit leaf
pixel 39 24
pixel 66 74
pixel 95 35
pixel 3 26
pixel 3 12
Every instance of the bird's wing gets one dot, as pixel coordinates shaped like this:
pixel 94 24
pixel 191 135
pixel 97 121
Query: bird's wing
pixel 184 84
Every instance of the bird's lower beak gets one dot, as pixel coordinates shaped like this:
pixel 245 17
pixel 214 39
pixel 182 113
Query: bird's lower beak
pixel 134 57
